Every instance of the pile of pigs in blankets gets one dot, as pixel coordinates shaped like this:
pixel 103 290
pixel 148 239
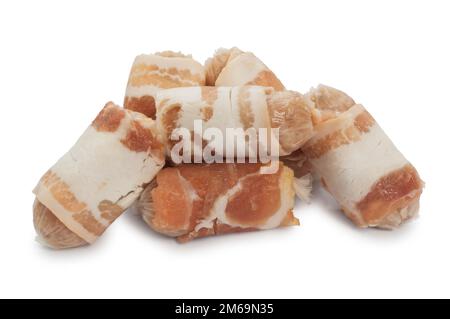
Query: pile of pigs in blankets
pixel 124 157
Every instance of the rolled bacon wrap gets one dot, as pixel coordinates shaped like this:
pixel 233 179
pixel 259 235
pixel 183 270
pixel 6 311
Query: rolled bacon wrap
pixel 151 73
pixel 359 165
pixel 236 107
pixel 98 178
pixel 233 67
pixel 196 200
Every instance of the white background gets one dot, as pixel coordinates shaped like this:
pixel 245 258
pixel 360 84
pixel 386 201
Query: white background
pixel 60 62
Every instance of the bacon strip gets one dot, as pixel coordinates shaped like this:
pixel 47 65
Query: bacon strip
pixel 197 200
pixel 236 107
pixel 153 72
pixel 233 67
pixel 98 178
pixel 359 165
